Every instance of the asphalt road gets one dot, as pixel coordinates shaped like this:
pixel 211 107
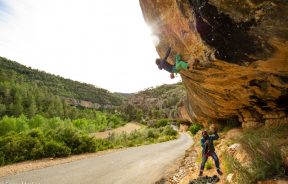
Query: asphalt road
pixel 138 165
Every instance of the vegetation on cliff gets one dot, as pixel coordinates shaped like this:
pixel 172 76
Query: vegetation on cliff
pixel 155 103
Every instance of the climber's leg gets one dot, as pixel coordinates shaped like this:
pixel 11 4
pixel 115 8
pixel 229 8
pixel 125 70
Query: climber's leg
pixel 204 160
pixel 216 160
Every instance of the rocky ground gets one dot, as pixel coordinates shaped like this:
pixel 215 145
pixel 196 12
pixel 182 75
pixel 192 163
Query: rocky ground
pixel 187 169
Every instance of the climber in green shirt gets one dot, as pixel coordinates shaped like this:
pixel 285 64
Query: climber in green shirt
pixel 179 64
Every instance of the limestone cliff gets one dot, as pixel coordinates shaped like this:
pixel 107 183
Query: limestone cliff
pixel 242 49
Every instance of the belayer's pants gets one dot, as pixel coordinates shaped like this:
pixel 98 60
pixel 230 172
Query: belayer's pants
pixel 205 158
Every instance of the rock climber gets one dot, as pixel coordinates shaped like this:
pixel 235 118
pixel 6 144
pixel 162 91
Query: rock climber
pixel 179 65
pixel 209 150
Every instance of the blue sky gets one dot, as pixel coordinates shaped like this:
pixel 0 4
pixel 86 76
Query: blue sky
pixel 105 43
pixel 4 10
pixel 3 6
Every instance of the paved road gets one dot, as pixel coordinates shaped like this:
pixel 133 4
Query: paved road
pixel 138 165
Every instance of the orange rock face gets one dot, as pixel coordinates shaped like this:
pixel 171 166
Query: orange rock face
pixel 242 49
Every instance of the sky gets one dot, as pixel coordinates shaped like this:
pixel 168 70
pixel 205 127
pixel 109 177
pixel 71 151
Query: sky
pixel 104 43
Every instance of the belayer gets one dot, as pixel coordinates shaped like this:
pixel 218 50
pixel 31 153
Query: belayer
pixel 179 64
pixel 209 150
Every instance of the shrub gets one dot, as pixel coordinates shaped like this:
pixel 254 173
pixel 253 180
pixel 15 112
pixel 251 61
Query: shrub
pixel 87 144
pixel 161 123
pixel 56 149
pixel 209 164
pixel 23 146
pixel 170 131
pixel 194 128
pixel 151 133
pixel 74 139
pixel 36 121
pixel 7 125
pixel 103 144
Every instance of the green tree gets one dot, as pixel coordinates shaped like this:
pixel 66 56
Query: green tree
pixel 32 109
pixel 16 107
pixel 2 109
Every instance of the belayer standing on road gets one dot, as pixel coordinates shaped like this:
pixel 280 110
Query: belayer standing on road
pixel 179 65
pixel 209 150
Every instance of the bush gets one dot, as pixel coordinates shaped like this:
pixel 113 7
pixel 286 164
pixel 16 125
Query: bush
pixel 168 130
pixel 87 144
pixel 24 146
pixel 74 139
pixel 161 123
pixel 56 149
pixel 194 128
pixel 151 133
pixel 103 144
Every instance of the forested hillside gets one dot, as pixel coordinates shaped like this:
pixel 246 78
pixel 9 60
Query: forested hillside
pixel 36 121
pixel 14 72
pixel 155 103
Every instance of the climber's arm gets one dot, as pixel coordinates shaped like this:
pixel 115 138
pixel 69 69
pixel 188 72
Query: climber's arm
pixel 167 53
pixel 165 57
pixel 203 143
pixel 215 136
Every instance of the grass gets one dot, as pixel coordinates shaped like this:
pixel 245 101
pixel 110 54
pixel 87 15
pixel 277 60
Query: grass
pixel 209 164
pixel 262 146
